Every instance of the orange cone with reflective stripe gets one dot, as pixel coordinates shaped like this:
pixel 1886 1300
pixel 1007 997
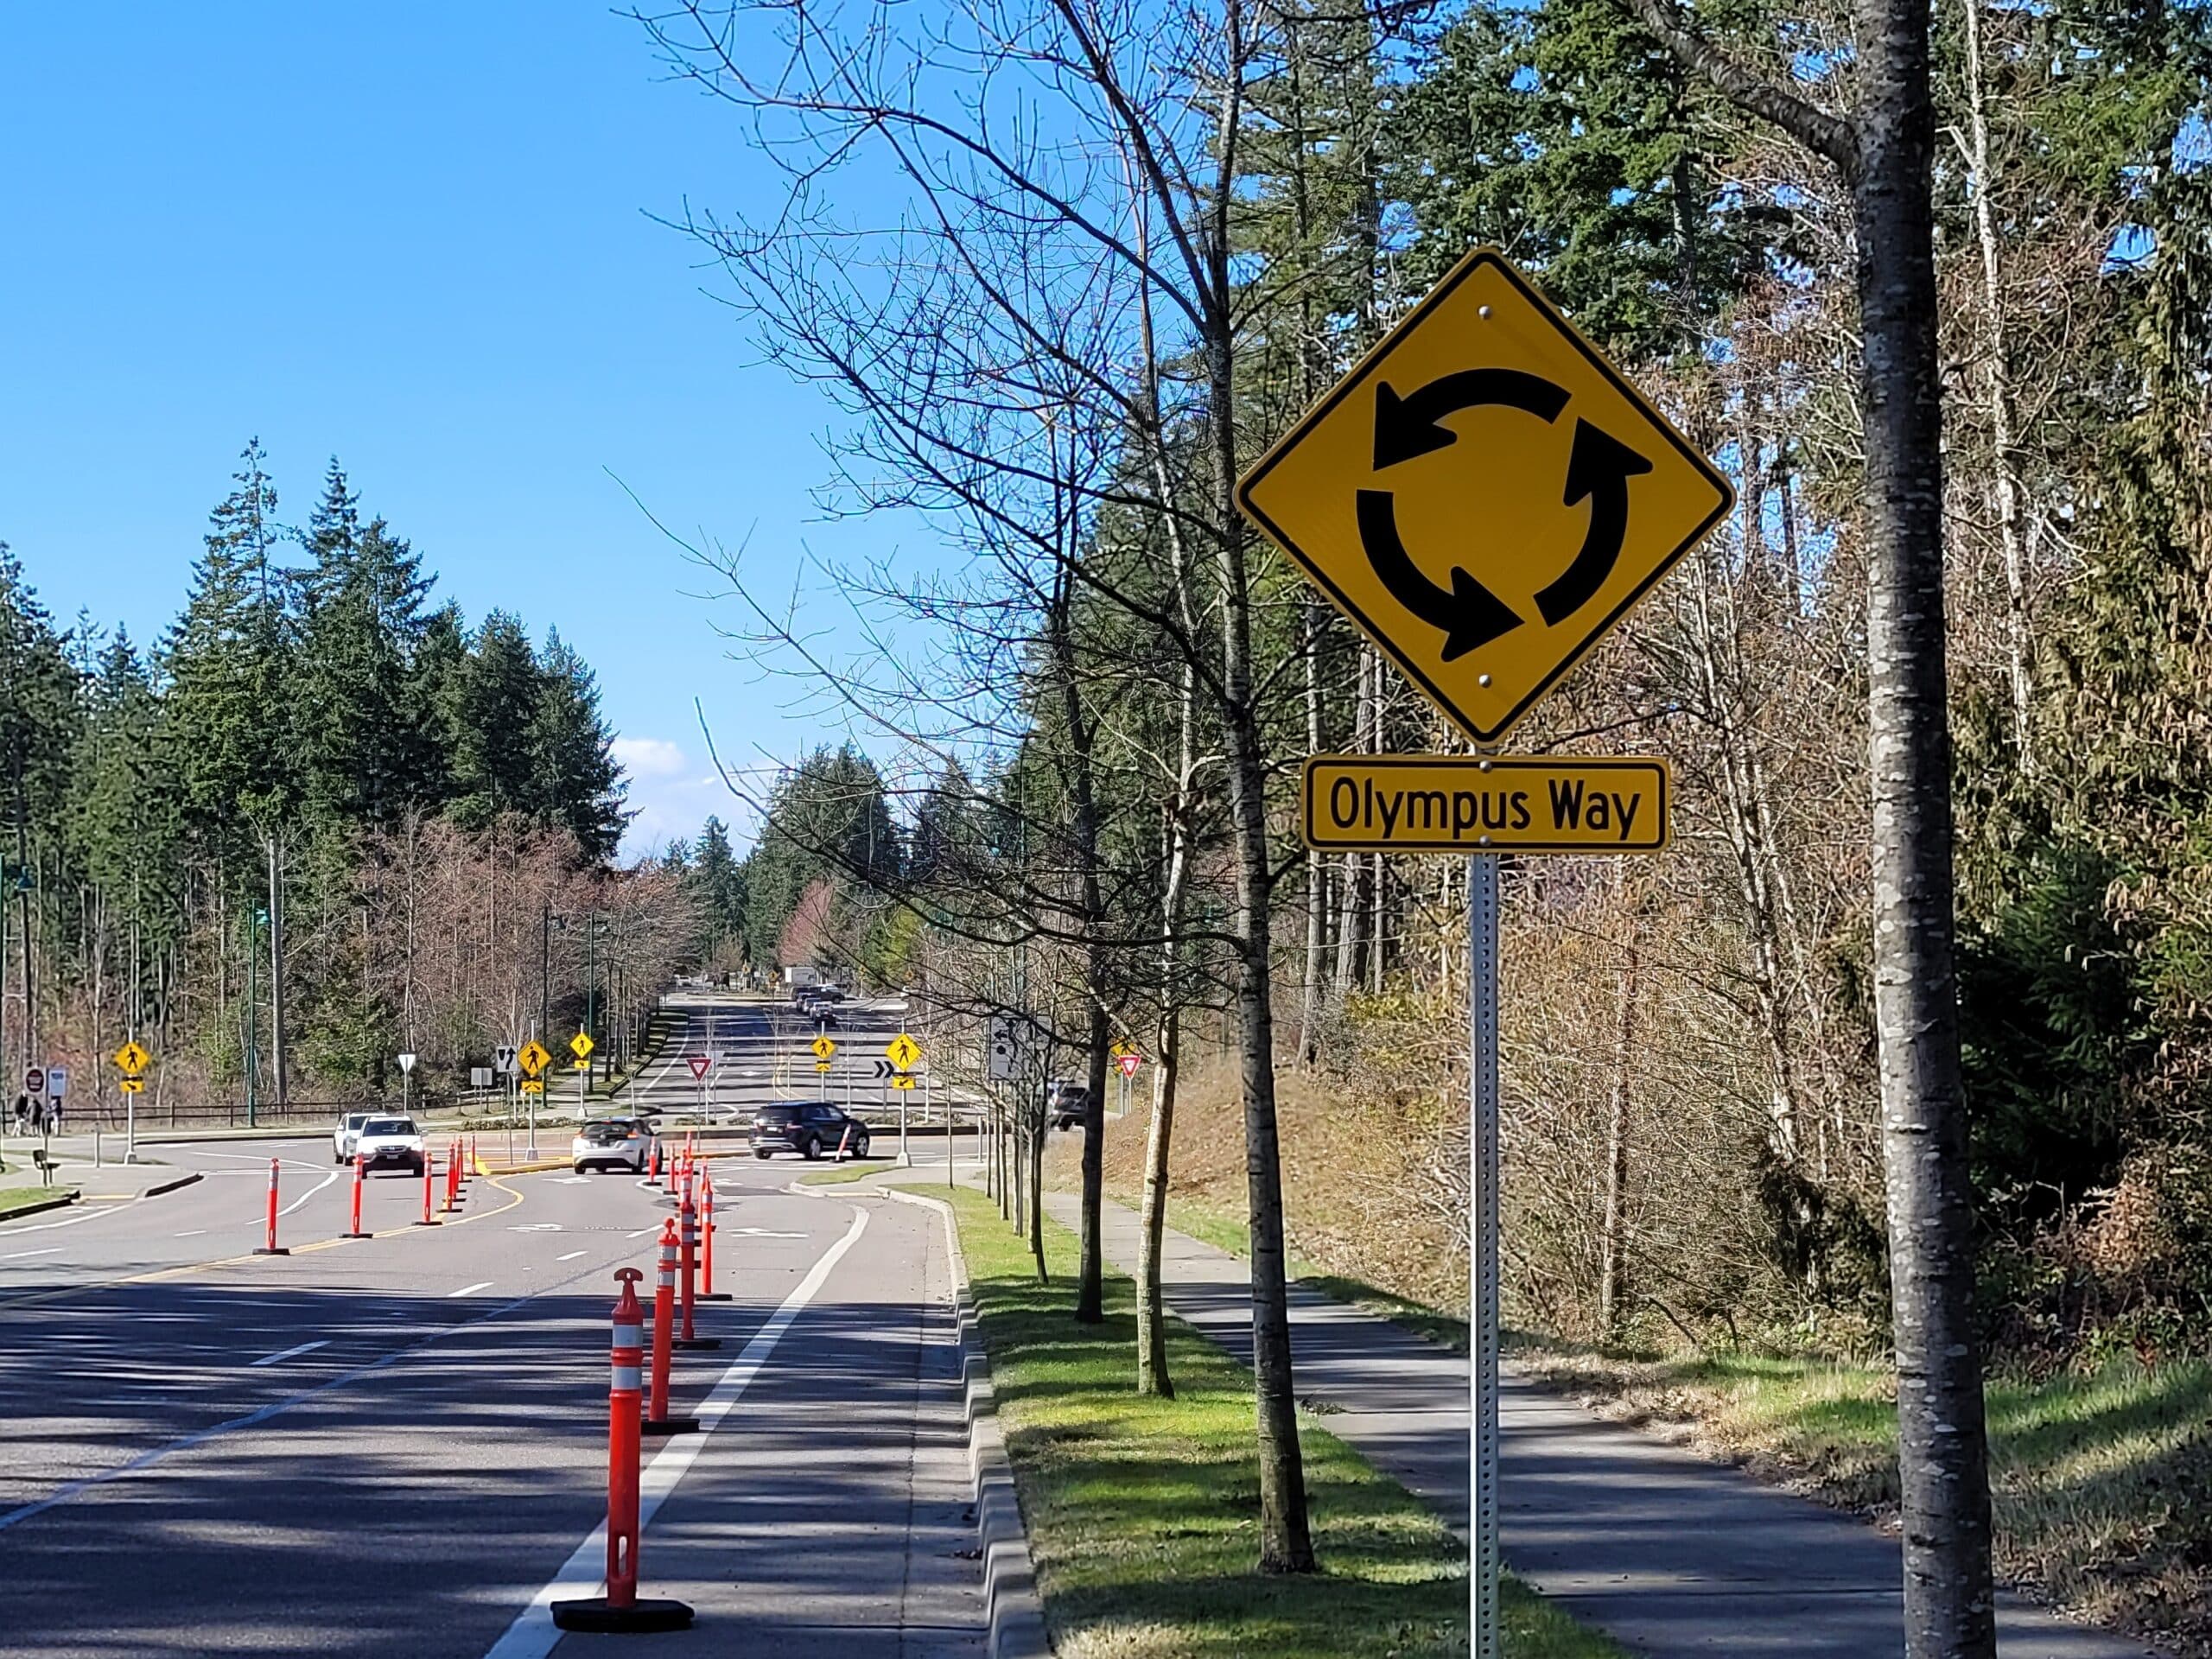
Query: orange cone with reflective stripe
pixel 619 1608
pixel 657 1420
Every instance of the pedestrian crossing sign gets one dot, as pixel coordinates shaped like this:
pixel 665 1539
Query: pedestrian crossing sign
pixel 131 1060
pixel 823 1048
pixel 533 1058
pixel 581 1045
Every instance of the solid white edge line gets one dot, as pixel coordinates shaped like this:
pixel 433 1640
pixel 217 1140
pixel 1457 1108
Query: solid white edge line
pixel 533 1634
pixel 292 1353
pixel 469 1290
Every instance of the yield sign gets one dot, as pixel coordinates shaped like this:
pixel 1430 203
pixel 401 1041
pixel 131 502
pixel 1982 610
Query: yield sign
pixel 699 1064
pixel 1128 1063
pixel 1484 557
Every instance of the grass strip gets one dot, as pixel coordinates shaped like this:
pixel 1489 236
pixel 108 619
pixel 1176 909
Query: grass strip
pixel 1143 1514
pixel 13 1198
pixel 843 1173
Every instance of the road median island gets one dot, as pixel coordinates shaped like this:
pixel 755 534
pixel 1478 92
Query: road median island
pixel 17 1202
pixel 1142 1514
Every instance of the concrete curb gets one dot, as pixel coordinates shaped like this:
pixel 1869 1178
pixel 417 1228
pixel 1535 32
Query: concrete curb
pixel 1015 1613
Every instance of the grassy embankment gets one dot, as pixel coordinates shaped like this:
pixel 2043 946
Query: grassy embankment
pixel 1142 1513
pixel 2096 1475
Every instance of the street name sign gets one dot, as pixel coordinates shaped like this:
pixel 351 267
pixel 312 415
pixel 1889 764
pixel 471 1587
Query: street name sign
pixel 533 1058
pixel 1469 804
pixel 1487 556
pixel 903 1052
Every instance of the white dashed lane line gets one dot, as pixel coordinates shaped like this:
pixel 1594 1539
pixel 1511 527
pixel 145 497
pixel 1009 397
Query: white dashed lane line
pixel 571 1256
pixel 469 1290
pixel 293 1353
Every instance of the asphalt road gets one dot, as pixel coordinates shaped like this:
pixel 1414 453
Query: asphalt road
pixel 397 1445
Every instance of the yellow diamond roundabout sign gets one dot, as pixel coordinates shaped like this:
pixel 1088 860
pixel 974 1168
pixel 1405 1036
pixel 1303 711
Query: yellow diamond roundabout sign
pixel 1485 496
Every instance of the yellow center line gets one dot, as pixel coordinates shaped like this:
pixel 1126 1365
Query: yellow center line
pixel 161 1275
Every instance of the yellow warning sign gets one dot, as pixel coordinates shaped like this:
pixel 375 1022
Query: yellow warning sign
pixel 823 1048
pixel 1485 495
pixel 1466 803
pixel 903 1052
pixel 533 1058
pixel 822 1065
pixel 533 1086
pixel 131 1060
pixel 132 1085
pixel 581 1045
pixel 902 1081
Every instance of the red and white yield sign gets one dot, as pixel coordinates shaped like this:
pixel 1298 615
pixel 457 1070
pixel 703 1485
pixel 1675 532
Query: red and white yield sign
pixel 699 1064
pixel 1128 1063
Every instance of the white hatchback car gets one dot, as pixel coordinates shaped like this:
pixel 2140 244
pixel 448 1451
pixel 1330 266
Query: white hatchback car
pixel 613 1143
pixel 342 1138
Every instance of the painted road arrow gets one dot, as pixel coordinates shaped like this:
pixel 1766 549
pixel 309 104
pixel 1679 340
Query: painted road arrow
pixel 1407 427
pixel 1600 468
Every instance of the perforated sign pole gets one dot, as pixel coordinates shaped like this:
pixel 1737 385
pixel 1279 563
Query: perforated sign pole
pixel 1483 1161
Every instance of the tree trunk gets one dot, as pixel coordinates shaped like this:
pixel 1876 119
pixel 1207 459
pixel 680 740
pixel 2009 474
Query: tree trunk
pixel 2005 471
pixel 277 1067
pixel 1943 1461
pixel 1612 1240
pixel 1285 1538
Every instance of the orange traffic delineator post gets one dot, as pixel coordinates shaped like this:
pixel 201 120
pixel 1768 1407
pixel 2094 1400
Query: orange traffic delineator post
pixel 360 1174
pixel 657 1421
pixel 430 1175
pixel 844 1141
pixel 652 1176
pixel 452 1178
pixel 272 1248
pixel 620 1610
pixel 692 1338
pixel 707 1291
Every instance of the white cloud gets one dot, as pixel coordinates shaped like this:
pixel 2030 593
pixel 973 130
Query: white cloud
pixel 649 757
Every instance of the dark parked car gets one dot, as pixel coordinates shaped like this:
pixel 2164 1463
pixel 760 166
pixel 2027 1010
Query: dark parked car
pixel 809 1128
pixel 1066 1102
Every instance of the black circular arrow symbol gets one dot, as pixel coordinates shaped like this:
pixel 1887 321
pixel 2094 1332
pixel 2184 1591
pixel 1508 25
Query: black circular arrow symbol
pixel 1598 467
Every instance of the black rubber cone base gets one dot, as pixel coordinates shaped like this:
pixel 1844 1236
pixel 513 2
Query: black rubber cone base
pixel 698 1342
pixel 357 1235
pixel 265 1250
pixel 653 1426
pixel 714 1296
pixel 430 1223
pixel 598 1615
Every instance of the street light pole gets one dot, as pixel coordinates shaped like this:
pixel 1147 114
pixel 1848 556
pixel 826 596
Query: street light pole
pixel 544 971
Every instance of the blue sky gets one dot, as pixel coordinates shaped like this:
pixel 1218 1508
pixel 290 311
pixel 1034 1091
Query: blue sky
pixel 417 236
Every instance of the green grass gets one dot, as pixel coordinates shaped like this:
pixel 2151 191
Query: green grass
pixel 13 1198
pixel 2094 1477
pixel 844 1172
pixel 1143 1513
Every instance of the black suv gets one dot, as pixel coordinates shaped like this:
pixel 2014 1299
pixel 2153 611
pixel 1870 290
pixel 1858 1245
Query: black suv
pixel 809 1129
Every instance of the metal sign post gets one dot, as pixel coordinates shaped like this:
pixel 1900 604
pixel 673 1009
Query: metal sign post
pixel 1482 1170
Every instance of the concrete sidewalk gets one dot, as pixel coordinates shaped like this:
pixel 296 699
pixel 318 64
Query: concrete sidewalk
pixel 1674 1557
